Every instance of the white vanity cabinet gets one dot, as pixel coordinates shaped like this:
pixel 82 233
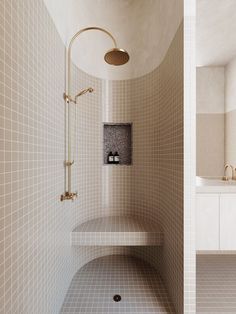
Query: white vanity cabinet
pixel 207 222
pixel 215 222
pixel 228 222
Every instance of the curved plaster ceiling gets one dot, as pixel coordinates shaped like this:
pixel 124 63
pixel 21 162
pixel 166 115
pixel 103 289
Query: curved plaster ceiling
pixel 145 28
pixel 215 32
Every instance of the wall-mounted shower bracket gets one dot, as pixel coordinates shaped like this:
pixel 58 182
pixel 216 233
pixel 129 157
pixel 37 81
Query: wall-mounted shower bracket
pixel 69 196
pixel 68 163
pixel 68 98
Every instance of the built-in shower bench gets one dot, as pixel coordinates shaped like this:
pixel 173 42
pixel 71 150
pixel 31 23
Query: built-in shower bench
pixel 119 230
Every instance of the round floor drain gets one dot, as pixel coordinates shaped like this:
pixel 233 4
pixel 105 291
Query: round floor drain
pixel 117 298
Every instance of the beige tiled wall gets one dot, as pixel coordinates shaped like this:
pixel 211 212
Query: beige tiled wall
pixel 35 257
pixel 168 167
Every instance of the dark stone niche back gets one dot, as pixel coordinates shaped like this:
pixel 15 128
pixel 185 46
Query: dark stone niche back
pixel 117 137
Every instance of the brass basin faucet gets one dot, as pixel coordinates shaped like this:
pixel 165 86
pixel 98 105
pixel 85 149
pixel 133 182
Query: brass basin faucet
pixel 225 177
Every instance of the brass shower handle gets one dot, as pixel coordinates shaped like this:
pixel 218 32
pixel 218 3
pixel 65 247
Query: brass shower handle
pixel 69 196
pixel 69 163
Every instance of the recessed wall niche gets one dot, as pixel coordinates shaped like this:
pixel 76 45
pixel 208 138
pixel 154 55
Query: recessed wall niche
pixel 117 137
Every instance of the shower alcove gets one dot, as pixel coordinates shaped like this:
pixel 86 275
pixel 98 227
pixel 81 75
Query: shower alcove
pixel 126 232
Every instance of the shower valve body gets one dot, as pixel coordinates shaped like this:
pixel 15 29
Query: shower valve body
pixel 69 196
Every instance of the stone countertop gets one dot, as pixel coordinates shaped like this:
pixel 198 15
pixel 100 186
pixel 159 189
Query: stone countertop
pixel 215 185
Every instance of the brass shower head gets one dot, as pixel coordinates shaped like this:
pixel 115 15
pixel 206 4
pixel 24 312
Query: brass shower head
pixel 116 56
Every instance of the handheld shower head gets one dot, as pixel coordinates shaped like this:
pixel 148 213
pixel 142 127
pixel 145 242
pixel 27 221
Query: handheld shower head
pixel 84 91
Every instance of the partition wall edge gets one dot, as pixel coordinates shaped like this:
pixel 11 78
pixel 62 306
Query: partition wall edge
pixel 189 156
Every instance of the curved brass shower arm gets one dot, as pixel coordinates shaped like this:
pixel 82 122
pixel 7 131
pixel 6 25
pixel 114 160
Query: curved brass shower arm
pixel 91 29
pixel 68 96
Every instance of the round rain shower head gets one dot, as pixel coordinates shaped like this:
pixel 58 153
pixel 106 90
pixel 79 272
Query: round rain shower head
pixel 116 56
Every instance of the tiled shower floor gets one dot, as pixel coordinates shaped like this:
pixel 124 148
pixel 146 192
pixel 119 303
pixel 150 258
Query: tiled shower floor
pixel 216 284
pixel 139 285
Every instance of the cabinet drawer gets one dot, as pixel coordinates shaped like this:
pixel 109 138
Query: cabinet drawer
pixel 207 222
pixel 228 222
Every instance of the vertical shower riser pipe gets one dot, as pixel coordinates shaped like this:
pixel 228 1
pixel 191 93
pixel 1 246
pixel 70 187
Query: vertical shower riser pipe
pixel 68 98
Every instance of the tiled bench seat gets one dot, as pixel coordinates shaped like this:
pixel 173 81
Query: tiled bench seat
pixel 119 230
